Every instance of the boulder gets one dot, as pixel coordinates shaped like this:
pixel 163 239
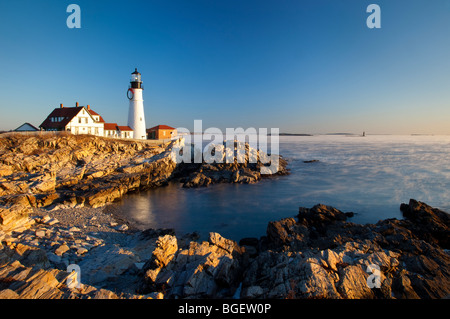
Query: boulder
pixel 353 283
pixel 431 224
pixel 208 269
pixel 61 250
pixel 107 262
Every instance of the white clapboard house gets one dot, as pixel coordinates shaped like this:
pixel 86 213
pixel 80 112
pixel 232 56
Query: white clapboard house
pixel 83 120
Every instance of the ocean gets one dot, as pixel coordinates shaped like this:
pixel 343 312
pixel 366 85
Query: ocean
pixel 370 176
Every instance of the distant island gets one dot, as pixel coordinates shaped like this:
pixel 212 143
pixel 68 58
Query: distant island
pixel 341 134
pixel 293 134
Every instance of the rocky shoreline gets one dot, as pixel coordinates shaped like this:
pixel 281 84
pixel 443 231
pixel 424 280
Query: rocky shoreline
pixel 53 214
pixel 318 254
pixel 75 171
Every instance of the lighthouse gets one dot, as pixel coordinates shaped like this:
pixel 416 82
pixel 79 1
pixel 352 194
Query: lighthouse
pixel 136 118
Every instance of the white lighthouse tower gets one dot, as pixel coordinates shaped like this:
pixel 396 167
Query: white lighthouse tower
pixel 136 118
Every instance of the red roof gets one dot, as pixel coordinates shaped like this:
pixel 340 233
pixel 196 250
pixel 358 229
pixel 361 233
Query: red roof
pixel 68 113
pixel 160 127
pixel 101 120
pixel 125 128
pixel 110 126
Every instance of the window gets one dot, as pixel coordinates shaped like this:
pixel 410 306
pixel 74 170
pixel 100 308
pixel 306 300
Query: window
pixel 86 120
pixel 79 120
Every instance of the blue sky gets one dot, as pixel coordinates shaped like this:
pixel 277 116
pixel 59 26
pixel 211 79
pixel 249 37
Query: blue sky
pixel 301 66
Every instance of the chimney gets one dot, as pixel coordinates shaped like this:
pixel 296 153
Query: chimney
pixel 78 104
pixel 61 106
pixel 88 107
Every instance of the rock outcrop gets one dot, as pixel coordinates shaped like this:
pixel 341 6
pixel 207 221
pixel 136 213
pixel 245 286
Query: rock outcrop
pixel 25 274
pixel 76 171
pixel 248 166
pixel 209 269
pixel 322 255
pixel 319 254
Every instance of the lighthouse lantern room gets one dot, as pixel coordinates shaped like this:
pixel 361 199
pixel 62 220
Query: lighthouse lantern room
pixel 136 80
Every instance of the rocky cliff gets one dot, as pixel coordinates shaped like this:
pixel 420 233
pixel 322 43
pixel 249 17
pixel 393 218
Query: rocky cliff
pixel 74 171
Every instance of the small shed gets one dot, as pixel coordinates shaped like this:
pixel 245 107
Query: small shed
pixel 26 127
pixel 161 132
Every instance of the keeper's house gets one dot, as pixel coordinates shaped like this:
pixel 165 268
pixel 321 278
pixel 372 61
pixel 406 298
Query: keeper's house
pixel 83 120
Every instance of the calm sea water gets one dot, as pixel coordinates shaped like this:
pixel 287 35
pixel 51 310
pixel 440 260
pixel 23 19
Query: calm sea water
pixel 370 176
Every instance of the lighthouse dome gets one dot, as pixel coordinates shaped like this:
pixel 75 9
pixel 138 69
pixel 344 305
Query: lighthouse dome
pixel 136 79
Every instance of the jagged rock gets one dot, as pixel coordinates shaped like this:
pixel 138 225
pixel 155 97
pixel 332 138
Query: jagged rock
pixel 107 262
pixel 8 294
pixel 429 223
pixel 164 252
pixel 43 184
pixel 341 267
pixel 403 288
pixel 316 282
pixel 230 246
pixel 15 218
pixel 202 270
pixel 353 283
pixel 166 247
pixel 279 232
pixel 21 282
pixel 331 258
pixel 320 216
